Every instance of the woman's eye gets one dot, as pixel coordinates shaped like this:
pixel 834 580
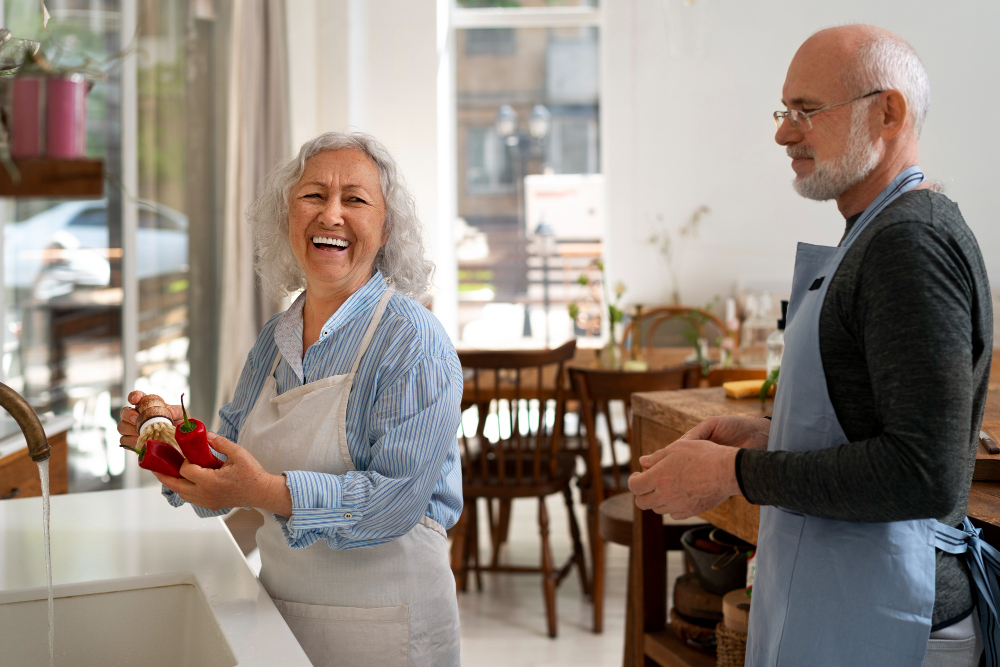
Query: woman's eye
pixel 314 195
pixel 357 199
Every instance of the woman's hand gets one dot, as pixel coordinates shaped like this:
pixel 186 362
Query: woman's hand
pixel 240 482
pixel 126 420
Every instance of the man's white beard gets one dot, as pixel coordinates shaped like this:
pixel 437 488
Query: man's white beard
pixel 831 179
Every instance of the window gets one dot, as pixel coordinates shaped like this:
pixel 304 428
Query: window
pixel 544 65
pixel 67 330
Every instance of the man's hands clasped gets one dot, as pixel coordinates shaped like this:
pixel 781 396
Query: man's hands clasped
pixel 698 471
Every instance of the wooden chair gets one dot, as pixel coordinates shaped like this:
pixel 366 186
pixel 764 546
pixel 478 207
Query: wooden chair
pixel 655 320
pixel 527 461
pixel 605 488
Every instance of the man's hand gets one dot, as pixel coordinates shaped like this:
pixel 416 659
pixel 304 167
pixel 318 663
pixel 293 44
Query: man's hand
pixel 732 431
pixel 687 478
pixel 240 482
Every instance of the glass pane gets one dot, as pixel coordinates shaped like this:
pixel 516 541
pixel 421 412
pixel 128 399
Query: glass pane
pixel 62 259
pixel 549 78
pixel 62 263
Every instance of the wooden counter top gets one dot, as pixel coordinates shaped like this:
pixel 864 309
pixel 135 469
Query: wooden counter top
pixel 667 415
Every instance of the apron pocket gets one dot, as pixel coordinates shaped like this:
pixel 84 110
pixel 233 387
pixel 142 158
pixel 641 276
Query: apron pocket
pixel 350 635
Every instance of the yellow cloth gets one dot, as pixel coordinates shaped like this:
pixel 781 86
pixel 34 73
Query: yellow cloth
pixel 746 388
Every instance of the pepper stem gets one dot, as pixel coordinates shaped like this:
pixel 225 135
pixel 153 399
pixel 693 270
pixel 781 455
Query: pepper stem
pixel 140 452
pixel 188 425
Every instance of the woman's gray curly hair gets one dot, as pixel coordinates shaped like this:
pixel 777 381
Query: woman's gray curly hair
pixel 401 260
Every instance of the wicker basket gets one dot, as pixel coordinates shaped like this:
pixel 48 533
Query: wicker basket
pixel 731 647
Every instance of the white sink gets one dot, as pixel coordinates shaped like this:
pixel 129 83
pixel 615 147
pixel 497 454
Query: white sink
pixel 154 620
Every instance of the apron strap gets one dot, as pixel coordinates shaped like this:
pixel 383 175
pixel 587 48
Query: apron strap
pixel 904 182
pixel 984 564
pixel 370 332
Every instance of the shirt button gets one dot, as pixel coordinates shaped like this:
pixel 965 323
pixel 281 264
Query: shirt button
pixel 348 515
pixel 326 333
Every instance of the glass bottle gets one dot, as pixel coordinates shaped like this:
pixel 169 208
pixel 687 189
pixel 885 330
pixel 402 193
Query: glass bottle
pixel 776 341
pixel 755 330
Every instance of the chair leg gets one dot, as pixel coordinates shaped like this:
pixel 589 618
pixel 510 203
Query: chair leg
pixel 459 548
pixel 629 620
pixel 574 532
pixel 592 536
pixel 500 528
pixel 474 544
pixel 548 568
pixel 598 591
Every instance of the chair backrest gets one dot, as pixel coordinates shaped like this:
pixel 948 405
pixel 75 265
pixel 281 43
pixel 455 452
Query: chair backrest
pixel 597 387
pixel 524 449
pixel 666 325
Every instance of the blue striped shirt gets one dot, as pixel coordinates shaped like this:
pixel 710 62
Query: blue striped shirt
pixel 402 420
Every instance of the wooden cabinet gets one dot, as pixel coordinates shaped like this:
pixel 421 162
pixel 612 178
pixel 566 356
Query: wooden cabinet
pixel 19 474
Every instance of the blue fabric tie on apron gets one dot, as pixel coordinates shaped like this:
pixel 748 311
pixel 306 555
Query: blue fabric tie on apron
pixel 984 565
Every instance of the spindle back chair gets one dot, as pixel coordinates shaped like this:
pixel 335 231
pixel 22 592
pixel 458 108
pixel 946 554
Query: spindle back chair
pixel 596 388
pixel 516 453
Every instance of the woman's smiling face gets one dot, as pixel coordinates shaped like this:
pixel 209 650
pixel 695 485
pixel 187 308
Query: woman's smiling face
pixel 336 220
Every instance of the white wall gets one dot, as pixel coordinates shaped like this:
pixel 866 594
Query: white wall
pixel 374 65
pixel 686 131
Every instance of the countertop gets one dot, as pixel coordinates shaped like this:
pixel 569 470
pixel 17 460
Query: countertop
pixel 113 534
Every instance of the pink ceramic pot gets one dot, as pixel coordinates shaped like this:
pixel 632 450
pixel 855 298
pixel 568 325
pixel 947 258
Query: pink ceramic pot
pixel 66 117
pixel 27 111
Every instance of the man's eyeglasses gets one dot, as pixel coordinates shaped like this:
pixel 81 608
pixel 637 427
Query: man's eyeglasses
pixel 800 120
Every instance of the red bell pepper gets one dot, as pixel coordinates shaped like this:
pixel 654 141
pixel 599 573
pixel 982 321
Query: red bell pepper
pixel 160 457
pixel 192 438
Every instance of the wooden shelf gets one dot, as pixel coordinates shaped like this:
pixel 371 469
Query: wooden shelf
pixel 666 649
pixel 45 177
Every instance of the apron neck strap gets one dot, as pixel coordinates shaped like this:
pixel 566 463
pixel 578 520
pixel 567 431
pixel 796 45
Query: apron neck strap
pixel 907 180
pixel 370 333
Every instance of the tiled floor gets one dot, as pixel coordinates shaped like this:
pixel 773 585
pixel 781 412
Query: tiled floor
pixel 504 625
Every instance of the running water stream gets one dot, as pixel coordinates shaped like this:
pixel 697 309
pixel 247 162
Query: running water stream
pixel 43 473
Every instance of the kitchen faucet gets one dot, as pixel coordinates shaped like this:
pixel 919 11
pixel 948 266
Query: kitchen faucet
pixel 14 403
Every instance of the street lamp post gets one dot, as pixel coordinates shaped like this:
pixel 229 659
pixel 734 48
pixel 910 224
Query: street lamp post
pixel 539 125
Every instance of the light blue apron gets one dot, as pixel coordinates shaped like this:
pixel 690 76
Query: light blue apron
pixel 832 592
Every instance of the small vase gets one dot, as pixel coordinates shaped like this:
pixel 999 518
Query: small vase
pixel 611 355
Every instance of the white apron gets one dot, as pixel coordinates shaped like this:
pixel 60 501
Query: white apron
pixel 390 605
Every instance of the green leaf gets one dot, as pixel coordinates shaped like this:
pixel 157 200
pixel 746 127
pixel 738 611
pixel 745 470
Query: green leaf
pixel 615 313
pixel 574 311
pixel 583 280
pixel 771 380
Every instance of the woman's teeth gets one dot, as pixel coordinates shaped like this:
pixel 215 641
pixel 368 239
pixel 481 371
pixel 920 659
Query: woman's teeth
pixel 324 241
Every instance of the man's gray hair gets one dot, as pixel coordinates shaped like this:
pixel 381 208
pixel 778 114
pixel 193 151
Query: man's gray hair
pixel 401 260
pixel 885 61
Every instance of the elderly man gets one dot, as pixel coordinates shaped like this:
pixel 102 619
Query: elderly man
pixel 864 471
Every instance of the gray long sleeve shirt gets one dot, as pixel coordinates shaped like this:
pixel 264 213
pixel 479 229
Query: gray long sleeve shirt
pixel 906 339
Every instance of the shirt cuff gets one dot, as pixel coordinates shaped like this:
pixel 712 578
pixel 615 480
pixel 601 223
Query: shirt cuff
pixel 319 508
pixel 739 474
pixel 176 501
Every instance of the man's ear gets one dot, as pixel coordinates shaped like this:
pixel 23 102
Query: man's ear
pixel 892 113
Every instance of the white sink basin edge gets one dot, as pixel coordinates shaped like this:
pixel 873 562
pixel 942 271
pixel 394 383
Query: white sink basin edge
pixel 153 620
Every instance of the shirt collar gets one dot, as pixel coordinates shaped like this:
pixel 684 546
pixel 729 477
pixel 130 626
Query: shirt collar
pixel 288 332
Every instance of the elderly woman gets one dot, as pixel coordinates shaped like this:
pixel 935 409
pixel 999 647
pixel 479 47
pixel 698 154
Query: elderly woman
pixel 346 416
